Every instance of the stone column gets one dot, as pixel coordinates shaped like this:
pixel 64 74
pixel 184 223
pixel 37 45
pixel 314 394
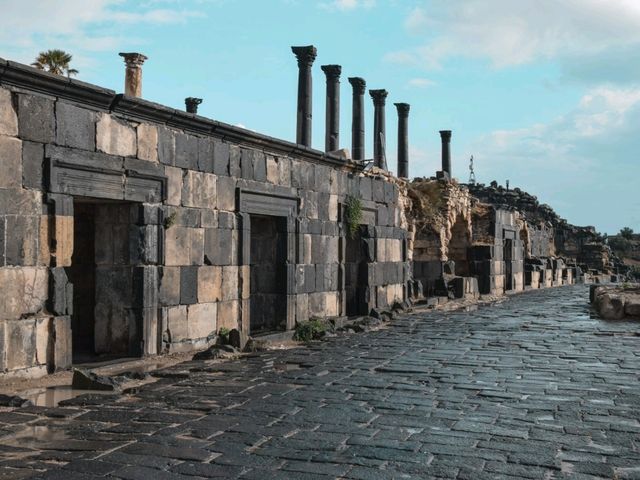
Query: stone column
pixel 445 136
pixel 403 139
pixel 379 129
pixel 305 55
pixel 133 77
pixel 357 125
pixel 332 134
pixel 192 104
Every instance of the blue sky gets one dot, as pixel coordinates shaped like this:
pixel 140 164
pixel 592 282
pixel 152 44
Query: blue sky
pixel 545 93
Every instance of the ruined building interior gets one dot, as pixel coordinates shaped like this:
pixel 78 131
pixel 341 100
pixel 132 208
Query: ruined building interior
pixel 130 228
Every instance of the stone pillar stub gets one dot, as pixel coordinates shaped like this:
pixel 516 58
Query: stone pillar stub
pixel 357 125
pixel 305 56
pixel 379 128
pixel 445 137
pixel 133 76
pixel 332 134
pixel 403 139
pixel 192 103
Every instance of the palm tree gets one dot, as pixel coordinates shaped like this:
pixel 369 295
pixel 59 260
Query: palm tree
pixel 55 61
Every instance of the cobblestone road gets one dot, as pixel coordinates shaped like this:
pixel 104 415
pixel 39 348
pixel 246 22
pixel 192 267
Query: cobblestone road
pixel 531 388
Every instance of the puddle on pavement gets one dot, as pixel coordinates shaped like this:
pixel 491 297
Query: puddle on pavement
pixel 52 396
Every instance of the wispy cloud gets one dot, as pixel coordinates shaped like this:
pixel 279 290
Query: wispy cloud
pixel 420 83
pixel 507 32
pixel 346 5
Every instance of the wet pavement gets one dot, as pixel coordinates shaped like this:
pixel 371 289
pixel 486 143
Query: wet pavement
pixel 530 388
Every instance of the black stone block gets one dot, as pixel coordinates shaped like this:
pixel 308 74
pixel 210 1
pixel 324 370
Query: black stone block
pixel 32 165
pixel 186 151
pixel 188 285
pixel 389 192
pixel 220 158
pixel 309 278
pixel 58 281
pixel 365 188
pixel 322 178
pixel 259 166
pixel 218 247
pixel 235 154
pixel 319 283
pixel 166 146
pixel 22 231
pixel 75 127
pixel 205 155
pixel 377 191
pixel 226 220
pixel 36 120
pixel 3 221
pixel 246 163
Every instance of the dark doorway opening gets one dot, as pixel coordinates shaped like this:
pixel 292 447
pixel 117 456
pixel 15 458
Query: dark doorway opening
pixel 355 267
pixel 104 323
pixel 508 264
pixel 268 310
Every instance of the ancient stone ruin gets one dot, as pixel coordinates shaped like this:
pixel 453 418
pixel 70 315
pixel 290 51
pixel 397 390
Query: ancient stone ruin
pixel 130 228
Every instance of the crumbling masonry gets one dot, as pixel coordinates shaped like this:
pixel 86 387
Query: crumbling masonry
pixel 129 228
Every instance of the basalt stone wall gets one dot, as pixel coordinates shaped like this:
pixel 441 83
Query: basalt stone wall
pixel 173 196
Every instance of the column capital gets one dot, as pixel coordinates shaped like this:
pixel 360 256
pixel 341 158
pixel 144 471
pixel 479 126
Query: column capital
pixel 445 135
pixel 358 84
pixel 133 59
pixel 403 109
pixel 379 97
pixel 305 55
pixel 332 71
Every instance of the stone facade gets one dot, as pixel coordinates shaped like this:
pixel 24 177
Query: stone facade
pixel 129 228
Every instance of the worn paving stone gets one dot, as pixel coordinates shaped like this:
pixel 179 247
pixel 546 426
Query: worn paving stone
pixel 529 388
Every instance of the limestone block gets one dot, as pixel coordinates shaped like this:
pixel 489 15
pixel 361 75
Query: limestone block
pixel 174 185
pixel 302 307
pixel 44 252
pixel 317 304
pixel 196 247
pixel 381 249
pixel 220 158
pixel 75 126
pixel 24 291
pixel 10 162
pixel 235 155
pixel 307 243
pixel 62 337
pixel 230 283
pixel 36 120
pixel 177 323
pixel 229 314
pixel 8 117
pixel 186 151
pixel 199 190
pixel 333 208
pixel 166 146
pixel 42 339
pixel 202 320
pixel 147 142
pixel 169 288
pixel 177 246
pixel 20 344
pixel 632 305
pixel 63 240
pixel 209 284
pixel 272 170
pixel 332 304
pixel 22 240
pixel 226 190
pixel 245 281
pixel 115 137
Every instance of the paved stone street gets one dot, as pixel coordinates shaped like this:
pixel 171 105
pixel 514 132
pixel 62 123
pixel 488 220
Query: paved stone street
pixel 530 388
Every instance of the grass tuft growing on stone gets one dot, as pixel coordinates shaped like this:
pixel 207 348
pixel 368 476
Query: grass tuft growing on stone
pixel 314 329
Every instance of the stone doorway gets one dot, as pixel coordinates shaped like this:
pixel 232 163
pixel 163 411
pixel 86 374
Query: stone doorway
pixel 268 284
pixel 508 264
pixel 104 321
pixel 355 267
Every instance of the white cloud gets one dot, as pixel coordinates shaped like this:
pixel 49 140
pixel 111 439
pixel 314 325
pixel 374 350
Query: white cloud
pixel 582 163
pixel 346 5
pixel 420 83
pixel 508 32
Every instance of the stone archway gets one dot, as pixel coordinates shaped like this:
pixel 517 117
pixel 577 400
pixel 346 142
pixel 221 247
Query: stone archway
pixel 458 246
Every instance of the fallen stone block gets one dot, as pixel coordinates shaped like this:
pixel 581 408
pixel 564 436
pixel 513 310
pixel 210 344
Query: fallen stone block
pixel 14 401
pixel 87 380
